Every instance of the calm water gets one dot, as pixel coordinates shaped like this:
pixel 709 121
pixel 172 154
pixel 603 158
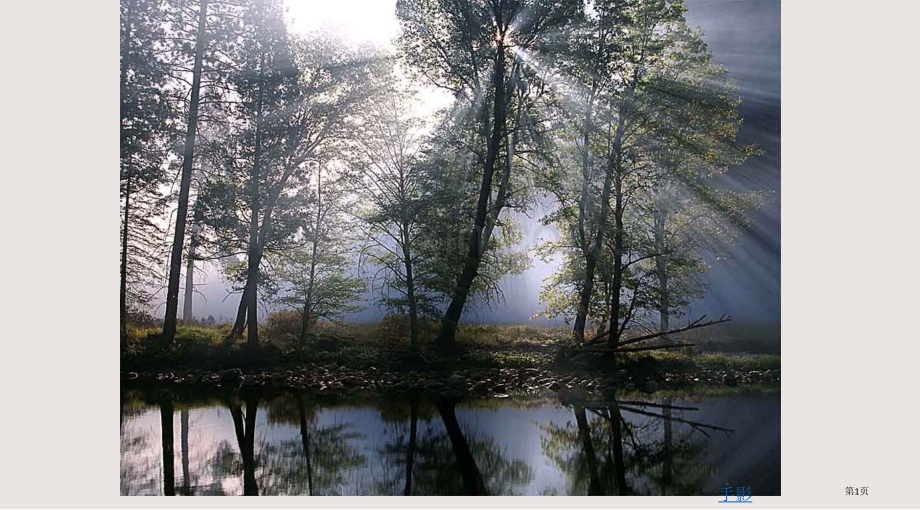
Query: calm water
pixel 232 444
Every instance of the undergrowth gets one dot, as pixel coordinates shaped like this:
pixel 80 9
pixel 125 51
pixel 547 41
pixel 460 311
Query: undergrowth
pixel 385 346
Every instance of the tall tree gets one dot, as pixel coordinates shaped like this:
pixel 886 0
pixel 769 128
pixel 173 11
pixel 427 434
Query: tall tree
pixel 315 279
pixel 146 137
pixel 653 109
pixel 395 198
pixel 296 102
pixel 696 113
pixel 444 243
pixel 632 36
pixel 465 46
pixel 187 312
pixel 175 260
pixel 687 134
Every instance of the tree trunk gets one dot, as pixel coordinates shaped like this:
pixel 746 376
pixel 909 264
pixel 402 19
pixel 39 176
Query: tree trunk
pixel 264 234
pixel 175 261
pixel 306 318
pixel 169 460
pixel 190 276
pixel 594 486
pixel 252 301
pixel 410 291
pixel 240 321
pixel 585 172
pixel 189 286
pixel 452 315
pixel 661 269
pixel 472 479
pixel 255 259
pixel 587 289
pixel 584 298
pixel 305 441
pixel 617 283
pixel 501 196
pixel 123 295
pixel 410 454
pixel 183 428
pixel 614 164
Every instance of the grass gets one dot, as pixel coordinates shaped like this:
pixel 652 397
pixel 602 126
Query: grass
pixel 194 346
pixel 185 335
pixel 385 346
pixel 718 360
pixel 736 337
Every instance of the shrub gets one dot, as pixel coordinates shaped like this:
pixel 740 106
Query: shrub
pixel 394 328
pixel 283 327
pixel 142 319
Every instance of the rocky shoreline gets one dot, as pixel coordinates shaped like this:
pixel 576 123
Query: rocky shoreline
pixel 496 382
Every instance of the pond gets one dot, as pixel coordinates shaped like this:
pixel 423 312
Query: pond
pixel 260 443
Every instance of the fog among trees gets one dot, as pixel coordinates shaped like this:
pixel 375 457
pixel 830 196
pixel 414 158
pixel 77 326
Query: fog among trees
pixel 305 168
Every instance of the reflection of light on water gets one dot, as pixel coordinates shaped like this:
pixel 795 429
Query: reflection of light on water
pixel 360 447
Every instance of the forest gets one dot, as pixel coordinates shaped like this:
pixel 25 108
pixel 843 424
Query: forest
pixel 307 169
pixel 321 180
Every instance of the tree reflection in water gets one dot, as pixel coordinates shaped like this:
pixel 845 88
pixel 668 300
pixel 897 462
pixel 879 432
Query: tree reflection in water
pixel 283 444
pixel 442 457
pixel 245 428
pixel 317 461
pixel 166 437
pixel 140 473
pixel 610 455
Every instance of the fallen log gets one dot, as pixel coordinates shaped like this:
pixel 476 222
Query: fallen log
pixel 693 325
pixel 629 349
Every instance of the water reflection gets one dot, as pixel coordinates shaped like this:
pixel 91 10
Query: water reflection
pixel 280 444
pixel 315 459
pixel 166 436
pixel 615 456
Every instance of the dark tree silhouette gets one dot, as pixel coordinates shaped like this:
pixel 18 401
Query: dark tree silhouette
pixel 245 428
pixel 188 156
pixel 169 458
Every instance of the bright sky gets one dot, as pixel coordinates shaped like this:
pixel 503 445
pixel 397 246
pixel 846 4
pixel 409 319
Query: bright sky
pixel 360 22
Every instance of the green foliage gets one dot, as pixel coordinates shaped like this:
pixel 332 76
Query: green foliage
pixel 446 236
pixel 319 286
pixel 316 278
pixel 396 202
pixel 148 131
pixel 634 67
pixel 311 168
pixel 297 98
pixel 283 327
